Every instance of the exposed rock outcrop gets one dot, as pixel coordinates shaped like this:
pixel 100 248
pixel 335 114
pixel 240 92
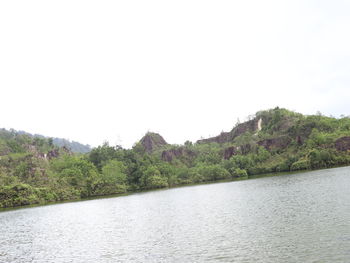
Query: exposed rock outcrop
pixel 249 126
pixel 343 143
pixel 171 154
pixel 53 154
pixel 152 141
pixel 275 143
pixel 222 138
pixel 229 152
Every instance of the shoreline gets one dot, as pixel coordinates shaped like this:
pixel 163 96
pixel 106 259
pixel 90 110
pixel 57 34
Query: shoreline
pixel 251 177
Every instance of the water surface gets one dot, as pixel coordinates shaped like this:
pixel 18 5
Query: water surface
pixel 302 217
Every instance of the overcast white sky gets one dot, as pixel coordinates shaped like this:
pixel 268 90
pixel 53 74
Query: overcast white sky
pixel 112 70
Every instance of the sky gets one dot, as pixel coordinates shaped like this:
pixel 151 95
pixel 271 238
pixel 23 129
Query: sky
pixel 95 71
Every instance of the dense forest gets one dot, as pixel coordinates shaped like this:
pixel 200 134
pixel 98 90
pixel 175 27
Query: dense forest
pixel 34 170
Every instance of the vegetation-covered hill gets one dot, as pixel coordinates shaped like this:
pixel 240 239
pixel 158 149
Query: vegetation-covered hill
pixel 74 146
pixel 34 170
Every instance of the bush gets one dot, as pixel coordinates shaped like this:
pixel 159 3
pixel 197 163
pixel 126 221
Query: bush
pixel 239 173
pixel 282 167
pixel 300 165
pixel 213 172
pixel 156 181
pixel 17 195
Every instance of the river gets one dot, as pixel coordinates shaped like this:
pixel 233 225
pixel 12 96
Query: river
pixel 302 217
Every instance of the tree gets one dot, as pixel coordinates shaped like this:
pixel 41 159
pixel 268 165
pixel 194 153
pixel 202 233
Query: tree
pixel 263 154
pixel 102 154
pixel 79 173
pixel 112 180
pixel 114 173
pixel 212 172
pixel 152 178
pixel 239 173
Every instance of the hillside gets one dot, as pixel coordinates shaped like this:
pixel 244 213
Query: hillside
pixel 273 141
pixel 73 146
pixel 34 170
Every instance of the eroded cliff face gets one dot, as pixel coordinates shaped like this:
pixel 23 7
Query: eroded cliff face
pixel 222 138
pixel 152 141
pixel 343 144
pixel 281 142
pixel 249 126
pixel 229 152
pixel 235 150
pixel 252 126
pixel 169 155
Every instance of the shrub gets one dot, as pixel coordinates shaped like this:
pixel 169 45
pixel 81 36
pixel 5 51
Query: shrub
pixel 240 173
pixel 300 165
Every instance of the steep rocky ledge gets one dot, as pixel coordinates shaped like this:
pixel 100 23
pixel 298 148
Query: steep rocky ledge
pixel 249 126
pixel 152 141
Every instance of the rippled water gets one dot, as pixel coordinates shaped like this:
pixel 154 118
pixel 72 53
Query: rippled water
pixel 301 217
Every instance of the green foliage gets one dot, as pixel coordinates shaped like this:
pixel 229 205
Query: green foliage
pixel 212 172
pixel 6 180
pixel 208 153
pixel 262 154
pixel 77 172
pixel 156 181
pixel 321 158
pixel 23 194
pixel 194 176
pixel 242 161
pixel 239 173
pixel 102 154
pixel 114 173
pixel 112 180
pixel 300 165
pixel 243 139
pixel 152 178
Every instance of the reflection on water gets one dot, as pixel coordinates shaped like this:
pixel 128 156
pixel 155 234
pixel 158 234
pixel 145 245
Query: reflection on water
pixel 291 218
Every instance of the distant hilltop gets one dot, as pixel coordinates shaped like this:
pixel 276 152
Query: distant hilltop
pixel 73 146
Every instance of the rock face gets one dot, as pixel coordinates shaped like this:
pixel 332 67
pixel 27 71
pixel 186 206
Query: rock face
pixel 169 155
pixel 55 153
pixel 151 141
pixel 222 138
pixel 249 126
pixel 229 152
pixel 343 143
pixel 275 143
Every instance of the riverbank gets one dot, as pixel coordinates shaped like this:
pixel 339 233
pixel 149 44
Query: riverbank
pixel 250 177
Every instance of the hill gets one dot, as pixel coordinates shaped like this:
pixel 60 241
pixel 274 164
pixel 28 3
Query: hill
pixel 152 141
pixel 73 146
pixel 274 140
pixel 34 170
